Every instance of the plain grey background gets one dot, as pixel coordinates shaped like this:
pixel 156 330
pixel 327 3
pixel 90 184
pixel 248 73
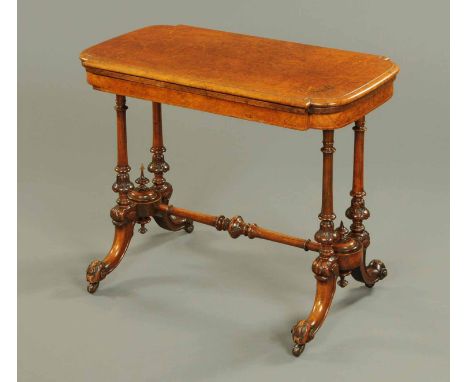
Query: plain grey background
pixel 203 307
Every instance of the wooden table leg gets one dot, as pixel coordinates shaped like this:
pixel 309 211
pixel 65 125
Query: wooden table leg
pixel 358 212
pixel 159 167
pixel 325 266
pixel 123 214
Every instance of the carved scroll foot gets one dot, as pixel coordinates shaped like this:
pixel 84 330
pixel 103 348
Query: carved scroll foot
pixel 98 270
pixel 305 330
pixel 172 223
pixel 370 274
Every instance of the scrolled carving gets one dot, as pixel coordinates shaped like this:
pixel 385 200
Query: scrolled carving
pixel 120 214
pixel 325 267
pixel 379 268
pixel 301 332
pixel 95 272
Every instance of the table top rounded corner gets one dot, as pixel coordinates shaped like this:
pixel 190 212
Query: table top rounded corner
pixel 280 72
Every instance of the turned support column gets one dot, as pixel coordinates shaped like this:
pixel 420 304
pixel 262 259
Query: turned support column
pixel 325 266
pixel 123 214
pixel 159 167
pixel 358 212
pixel 122 183
pixel 326 234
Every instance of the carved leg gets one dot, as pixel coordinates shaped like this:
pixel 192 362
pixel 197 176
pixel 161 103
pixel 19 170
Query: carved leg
pixel 98 270
pixel 325 266
pixel 159 167
pixel 358 212
pixel 123 214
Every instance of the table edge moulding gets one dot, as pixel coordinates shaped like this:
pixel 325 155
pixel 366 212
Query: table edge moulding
pixel 124 63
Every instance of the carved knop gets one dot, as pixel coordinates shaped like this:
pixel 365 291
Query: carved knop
pixel 327 147
pixel 325 266
pixel 236 227
pixel 358 209
pixel 222 223
pixel 360 125
pixel 326 235
pixel 122 184
pixel 158 163
pixel 159 167
pixel 120 104
pixel 358 212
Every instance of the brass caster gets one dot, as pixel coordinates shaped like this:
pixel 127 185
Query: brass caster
pixel 188 226
pixel 92 287
pixel 297 350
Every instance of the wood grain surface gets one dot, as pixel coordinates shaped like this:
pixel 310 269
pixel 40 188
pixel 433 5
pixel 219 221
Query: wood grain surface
pixel 279 72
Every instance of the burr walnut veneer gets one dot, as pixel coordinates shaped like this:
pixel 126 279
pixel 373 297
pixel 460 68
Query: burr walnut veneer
pixel 281 83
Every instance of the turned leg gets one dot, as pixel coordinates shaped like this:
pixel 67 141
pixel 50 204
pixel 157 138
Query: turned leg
pixel 123 214
pixel 325 266
pixel 159 167
pixel 358 212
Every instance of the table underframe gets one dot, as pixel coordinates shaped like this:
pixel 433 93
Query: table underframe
pixel 341 252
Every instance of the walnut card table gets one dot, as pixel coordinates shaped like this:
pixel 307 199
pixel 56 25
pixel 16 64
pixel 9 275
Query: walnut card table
pixel 291 85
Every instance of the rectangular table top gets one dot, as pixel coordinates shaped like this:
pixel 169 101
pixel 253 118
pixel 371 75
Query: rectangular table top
pixel 221 64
